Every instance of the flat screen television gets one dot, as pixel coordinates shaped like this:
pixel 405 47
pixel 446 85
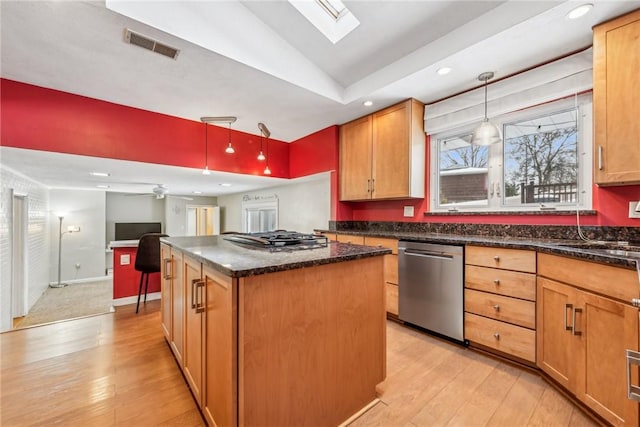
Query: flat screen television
pixel 134 230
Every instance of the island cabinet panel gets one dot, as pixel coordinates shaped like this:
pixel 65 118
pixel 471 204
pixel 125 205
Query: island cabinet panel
pixel 382 155
pixel 616 100
pixel 311 346
pixel 194 327
pixel 583 336
pixel 172 312
pixel 165 292
pixel 220 391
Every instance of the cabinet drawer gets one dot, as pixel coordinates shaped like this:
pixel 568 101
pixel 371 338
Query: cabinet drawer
pixel 499 307
pixel 509 259
pixel 382 242
pixel 391 269
pixel 330 236
pixel 514 340
pixel 505 282
pixel 349 238
pixel 392 298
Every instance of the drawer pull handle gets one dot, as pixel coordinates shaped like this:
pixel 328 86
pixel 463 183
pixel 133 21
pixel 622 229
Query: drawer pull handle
pixel 496 336
pixel 496 258
pixel 633 391
pixel 496 307
pixel 496 281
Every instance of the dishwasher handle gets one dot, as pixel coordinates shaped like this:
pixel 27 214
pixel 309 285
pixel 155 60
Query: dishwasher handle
pixel 427 254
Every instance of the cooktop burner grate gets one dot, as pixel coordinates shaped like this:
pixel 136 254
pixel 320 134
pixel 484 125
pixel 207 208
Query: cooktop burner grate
pixel 280 240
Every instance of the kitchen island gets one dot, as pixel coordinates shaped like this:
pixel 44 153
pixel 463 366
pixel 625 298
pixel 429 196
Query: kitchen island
pixel 275 337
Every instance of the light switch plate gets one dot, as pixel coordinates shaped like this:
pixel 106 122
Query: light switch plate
pixel 125 259
pixel 408 211
pixel 632 210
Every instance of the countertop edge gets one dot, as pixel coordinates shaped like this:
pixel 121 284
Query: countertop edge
pixel 373 251
pixel 554 247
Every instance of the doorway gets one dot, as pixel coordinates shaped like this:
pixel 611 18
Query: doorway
pixel 19 256
pixel 203 220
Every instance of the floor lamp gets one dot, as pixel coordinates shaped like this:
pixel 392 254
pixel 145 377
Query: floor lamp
pixel 60 234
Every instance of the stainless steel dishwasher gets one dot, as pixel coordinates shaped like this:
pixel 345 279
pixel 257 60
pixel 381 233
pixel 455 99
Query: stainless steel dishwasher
pixel 431 293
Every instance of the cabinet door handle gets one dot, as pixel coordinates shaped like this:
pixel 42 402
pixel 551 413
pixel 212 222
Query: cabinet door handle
pixel 564 315
pixel 496 282
pixel 193 292
pixel 633 391
pixel 496 336
pixel 575 329
pixel 496 258
pixel 600 157
pixel 373 185
pixel 167 273
pixel 496 307
pixel 200 289
pixel 368 186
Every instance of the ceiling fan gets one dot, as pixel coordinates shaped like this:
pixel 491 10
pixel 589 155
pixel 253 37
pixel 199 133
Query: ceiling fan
pixel 159 191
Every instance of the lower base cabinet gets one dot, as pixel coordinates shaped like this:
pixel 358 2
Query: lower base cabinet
pixel 194 327
pixel 583 336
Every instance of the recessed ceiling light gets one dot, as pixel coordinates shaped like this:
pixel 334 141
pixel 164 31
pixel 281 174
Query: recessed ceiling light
pixel 197 192
pixel 100 173
pixel 102 186
pixel 225 184
pixel 444 71
pixel 367 103
pixel 579 11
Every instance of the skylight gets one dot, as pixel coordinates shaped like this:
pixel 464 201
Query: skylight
pixel 330 17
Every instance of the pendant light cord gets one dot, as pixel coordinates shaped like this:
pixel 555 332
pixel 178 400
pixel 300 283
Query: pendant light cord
pixel 206 145
pixel 485 100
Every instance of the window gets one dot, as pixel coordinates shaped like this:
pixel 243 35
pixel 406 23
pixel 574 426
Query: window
pixel 544 162
pixel 259 214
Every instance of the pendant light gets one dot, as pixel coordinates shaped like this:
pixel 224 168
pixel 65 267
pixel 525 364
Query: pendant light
pixel 222 119
pixel 206 171
pixel 229 149
pixel 263 131
pixel 267 171
pixel 487 133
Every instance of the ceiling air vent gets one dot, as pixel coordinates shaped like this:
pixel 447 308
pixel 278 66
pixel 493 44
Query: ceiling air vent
pixel 150 44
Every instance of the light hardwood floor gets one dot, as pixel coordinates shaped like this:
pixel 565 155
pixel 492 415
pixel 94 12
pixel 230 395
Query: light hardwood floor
pixel 116 369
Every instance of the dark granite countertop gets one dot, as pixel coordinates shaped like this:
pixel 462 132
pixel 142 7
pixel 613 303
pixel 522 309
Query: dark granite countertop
pixel 613 253
pixel 236 260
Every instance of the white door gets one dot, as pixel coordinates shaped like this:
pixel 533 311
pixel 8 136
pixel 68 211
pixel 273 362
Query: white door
pixel 19 257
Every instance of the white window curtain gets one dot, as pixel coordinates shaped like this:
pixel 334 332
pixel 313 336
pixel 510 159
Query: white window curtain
pixel 555 80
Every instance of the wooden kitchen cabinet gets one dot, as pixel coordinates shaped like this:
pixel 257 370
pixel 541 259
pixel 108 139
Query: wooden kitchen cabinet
pixel 382 155
pixel 390 271
pixel 350 238
pixel 172 309
pixel 220 391
pixel 500 300
pixel 194 288
pixel 616 100
pixel 582 336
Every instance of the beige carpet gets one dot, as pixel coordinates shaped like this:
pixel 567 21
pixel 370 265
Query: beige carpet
pixel 74 300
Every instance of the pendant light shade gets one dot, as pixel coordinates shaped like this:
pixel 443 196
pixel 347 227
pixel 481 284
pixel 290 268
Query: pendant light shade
pixel 486 133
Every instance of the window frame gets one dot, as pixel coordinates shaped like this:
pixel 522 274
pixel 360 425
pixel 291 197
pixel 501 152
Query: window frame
pixel 584 104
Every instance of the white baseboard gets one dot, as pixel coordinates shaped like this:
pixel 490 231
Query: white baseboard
pixel 85 280
pixel 134 299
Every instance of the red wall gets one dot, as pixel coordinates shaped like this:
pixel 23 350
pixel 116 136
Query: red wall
pixel 126 279
pixel 44 119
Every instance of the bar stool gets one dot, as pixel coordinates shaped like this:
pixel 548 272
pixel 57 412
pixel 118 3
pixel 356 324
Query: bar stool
pixel 147 260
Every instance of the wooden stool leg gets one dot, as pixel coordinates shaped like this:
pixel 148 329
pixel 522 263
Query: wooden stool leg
pixel 140 290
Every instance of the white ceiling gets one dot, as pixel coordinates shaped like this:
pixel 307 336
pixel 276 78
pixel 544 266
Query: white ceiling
pixel 263 62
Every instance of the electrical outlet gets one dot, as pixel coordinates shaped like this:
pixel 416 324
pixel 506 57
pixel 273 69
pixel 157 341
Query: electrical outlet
pixel 125 259
pixel 408 211
pixel 633 209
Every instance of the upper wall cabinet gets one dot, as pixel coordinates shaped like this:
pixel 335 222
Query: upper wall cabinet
pixel 382 155
pixel 616 100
